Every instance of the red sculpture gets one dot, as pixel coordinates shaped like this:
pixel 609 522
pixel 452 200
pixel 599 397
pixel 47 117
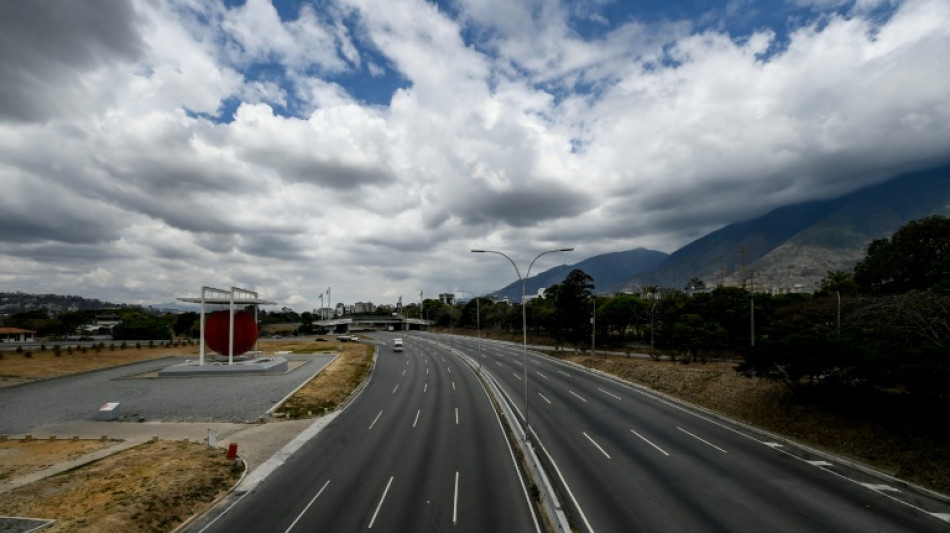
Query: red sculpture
pixel 217 328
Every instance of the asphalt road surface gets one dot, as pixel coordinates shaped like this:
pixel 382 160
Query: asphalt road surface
pixel 420 449
pixel 626 460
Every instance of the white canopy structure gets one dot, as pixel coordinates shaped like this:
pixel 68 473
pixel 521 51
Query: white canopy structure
pixel 241 297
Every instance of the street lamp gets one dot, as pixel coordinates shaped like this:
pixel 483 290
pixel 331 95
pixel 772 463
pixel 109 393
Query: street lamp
pixel 478 326
pixel 524 319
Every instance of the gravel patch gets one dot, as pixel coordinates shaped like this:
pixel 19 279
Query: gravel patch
pixel 188 399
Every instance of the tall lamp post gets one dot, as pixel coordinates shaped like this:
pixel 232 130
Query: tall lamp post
pixel 524 319
pixel 478 326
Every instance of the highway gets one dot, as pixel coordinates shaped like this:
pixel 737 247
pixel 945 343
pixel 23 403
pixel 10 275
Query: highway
pixel 627 460
pixel 420 449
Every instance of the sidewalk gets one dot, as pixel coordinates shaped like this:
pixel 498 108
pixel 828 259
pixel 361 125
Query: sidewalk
pixel 256 442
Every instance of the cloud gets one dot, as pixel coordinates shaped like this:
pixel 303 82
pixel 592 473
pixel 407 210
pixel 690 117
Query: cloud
pixel 188 143
pixel 50 50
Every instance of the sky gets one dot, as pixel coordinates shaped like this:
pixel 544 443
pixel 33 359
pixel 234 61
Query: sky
pixel 148 149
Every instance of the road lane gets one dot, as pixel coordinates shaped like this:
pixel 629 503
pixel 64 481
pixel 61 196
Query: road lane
pixel 397 460
pixel 630 467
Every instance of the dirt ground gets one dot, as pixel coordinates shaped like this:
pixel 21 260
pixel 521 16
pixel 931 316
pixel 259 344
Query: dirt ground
pixel 334 385
pixel 152 487
pixel 19 458
pixel 18 367
pixel 155 486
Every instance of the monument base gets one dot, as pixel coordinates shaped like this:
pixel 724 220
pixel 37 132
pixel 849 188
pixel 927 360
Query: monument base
pixel 253 367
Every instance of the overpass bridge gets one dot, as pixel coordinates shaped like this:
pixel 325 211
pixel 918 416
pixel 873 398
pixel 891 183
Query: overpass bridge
pixel 395 323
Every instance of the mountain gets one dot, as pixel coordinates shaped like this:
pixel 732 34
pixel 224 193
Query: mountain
pixel 609 271
pixel 799 244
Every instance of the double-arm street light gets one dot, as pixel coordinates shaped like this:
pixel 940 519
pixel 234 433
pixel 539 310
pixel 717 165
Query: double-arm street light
pixel 524 319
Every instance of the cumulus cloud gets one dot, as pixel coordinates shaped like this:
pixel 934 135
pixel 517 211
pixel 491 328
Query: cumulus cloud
pixel 147 149
pixel 50 51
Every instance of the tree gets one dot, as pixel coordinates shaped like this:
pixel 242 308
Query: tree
pixel 695 283
pixel 140 326
pixel 838 282
pixel 620 312
pixel 697 336
pixel 916 257
pixel 187 324
pixel 571 302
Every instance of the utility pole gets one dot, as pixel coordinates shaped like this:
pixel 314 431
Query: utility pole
pixel 742 254
pixel 752 307
pixel 593 327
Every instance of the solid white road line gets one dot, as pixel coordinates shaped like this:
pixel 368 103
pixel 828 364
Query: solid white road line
pixel 650 443
pixel 701 440
pixel 417 418
pixel 455 504
pixel 567 487
pixel 609 393
pixel 375 419
pixel 319 492
pixel 543 398
pixel 879 487
pixel 595 444
pixel 579 397
pixel 381 499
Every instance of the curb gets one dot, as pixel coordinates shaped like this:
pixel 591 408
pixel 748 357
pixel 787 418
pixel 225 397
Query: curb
pixel 278 458
pixel 549 500
pixel 308 380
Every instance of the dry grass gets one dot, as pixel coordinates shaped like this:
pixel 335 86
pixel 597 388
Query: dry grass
pixel 886 433
pixel 19 458
pixel 334 384
pixel 152 487
pixel 17 368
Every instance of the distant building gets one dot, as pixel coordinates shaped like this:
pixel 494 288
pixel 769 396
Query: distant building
pixel 17 335
pixel 447 298
pixel 798 288
pixel 364 307
pixel 540 294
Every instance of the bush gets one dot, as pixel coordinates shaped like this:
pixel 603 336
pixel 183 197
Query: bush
pixel 43 347
pixel 28 354
pixel 57 351
pixel 124 345
pixel 19 349
pixel 69 350
pixel 138 346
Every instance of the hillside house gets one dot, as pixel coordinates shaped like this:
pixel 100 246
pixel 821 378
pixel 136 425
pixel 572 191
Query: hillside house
pixel 17 335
